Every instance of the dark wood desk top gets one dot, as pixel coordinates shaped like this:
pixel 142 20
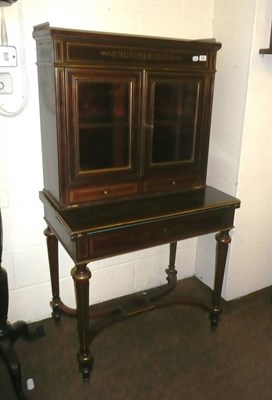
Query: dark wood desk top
pixel 99 217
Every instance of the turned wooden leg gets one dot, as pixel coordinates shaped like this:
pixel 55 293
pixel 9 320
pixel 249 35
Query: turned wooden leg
pixel 53 258
pixel 171 270
pixel 81 275
pixel 223 240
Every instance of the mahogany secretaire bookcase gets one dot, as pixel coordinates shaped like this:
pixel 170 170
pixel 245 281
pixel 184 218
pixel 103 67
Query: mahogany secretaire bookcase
pixel 125 123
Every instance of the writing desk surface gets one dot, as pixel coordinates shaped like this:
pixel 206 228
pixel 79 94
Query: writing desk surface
pixel 104 216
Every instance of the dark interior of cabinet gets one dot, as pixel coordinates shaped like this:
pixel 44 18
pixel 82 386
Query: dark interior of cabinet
pixel 104 125
pixel 175 109
pixel 104 110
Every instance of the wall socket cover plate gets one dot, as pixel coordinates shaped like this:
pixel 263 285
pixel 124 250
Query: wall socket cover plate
pixel 8 56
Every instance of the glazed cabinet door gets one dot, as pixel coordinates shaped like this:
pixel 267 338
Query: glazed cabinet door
pixel 175 131
pixel 103 123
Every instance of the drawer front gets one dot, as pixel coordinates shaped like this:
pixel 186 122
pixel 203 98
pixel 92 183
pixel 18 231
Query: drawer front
pixel 102 193
pixel 171 183
pixel 158 232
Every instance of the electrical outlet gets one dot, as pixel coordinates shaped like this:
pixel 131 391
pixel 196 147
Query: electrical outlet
pixel 8 56
pixel 5 83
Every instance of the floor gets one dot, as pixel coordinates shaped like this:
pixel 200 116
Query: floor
pixel 167 354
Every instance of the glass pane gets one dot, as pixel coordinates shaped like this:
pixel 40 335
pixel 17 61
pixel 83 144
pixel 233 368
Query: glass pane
pixel 175 110
pixel 104 125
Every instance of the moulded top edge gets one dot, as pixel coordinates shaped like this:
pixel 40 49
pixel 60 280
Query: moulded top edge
pixel 45 30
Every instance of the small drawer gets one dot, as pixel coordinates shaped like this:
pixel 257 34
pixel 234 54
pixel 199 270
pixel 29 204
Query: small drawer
pixel 102 192
pixel 171 183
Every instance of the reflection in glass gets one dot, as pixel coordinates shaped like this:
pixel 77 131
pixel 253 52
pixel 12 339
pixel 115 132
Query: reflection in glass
pixel 104 125
pixel 175 111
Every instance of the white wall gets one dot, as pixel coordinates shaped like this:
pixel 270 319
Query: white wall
pixel 25 256
pixel 240 153
pixel 251 257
